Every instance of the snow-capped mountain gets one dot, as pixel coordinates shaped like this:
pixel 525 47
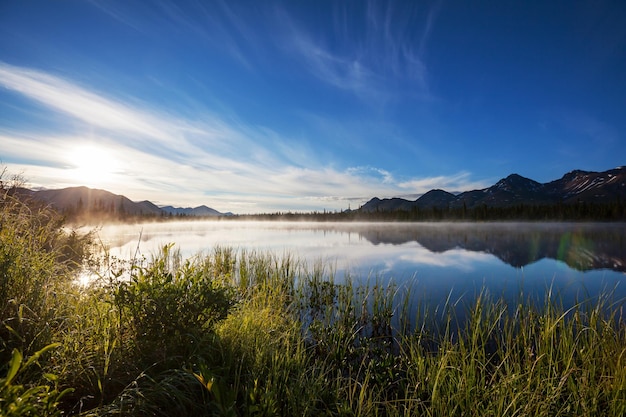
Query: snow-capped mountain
pixel 575 186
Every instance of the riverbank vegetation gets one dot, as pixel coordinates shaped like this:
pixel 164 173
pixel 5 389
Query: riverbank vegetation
pixel 236 333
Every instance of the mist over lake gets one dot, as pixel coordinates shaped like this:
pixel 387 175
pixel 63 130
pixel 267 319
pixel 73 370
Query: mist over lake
pixel 438 260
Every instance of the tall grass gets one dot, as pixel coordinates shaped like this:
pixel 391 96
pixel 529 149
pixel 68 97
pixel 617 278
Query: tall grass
pixel 239 333
pixel 37 258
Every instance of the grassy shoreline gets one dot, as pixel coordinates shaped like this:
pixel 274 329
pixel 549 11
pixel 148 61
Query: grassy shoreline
pixel 251 334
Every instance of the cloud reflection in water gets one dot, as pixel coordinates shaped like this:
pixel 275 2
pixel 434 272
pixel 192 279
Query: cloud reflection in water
pixel 434 258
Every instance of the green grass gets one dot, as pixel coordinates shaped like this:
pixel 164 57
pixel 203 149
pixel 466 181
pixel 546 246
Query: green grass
pixel 237 333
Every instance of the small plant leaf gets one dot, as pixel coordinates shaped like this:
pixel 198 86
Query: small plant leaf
pixel 37 354
pixel 14 366
pixel 51 377
pixel 13 332
pixel 64 393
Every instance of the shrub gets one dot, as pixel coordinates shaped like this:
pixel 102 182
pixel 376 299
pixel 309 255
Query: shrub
pixel 168 307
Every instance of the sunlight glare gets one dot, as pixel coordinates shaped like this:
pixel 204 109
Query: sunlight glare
pixel 92 165
pixel 85 278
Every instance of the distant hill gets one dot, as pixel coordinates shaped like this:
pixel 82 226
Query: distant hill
pixel 202 211
pixel 80 201
pixel 437 198
pixel 77 200
pixel 574 187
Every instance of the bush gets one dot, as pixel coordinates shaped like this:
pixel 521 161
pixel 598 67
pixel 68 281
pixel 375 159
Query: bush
pixel 168 307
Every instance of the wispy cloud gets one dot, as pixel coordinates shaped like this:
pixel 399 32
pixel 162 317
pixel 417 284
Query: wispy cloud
pixel 374 49
pixel 140 125
pixel 342 72
pixel 117 12
pixel 192 159
pixel 371 57
pixel 377 174
pixel 461 181
pixel 213 23
pixel 80 103
pixel 590 127
pixel 428 28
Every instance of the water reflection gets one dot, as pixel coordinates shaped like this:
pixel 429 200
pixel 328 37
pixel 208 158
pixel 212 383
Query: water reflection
pixel 440 263
pixel 460 257
pixel 582 246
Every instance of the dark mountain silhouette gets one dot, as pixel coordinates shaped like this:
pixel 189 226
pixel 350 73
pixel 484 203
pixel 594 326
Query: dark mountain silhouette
pixel 388 204
pixel 579 185
pixel 88 201
pixel 574 187
pixel 436 198
pixel 511 190
pixel 202 211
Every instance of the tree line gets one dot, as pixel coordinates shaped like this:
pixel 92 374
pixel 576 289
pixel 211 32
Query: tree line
pixel 580 211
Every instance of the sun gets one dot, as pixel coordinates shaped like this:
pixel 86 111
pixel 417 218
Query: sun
pixel 92 165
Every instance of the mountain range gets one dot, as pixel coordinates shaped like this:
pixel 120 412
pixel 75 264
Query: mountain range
pixel 84 200
pixel 574 187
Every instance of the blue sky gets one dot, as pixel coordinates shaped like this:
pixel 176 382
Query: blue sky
pixel 262 106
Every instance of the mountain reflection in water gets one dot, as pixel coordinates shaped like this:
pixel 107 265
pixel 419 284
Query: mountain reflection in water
pixel 583 246
pixel 435 262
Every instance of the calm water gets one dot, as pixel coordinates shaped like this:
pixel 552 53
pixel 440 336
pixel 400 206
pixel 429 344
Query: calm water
pixel 436 260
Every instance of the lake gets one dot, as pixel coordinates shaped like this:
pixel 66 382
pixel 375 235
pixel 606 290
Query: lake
pixel 437 260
